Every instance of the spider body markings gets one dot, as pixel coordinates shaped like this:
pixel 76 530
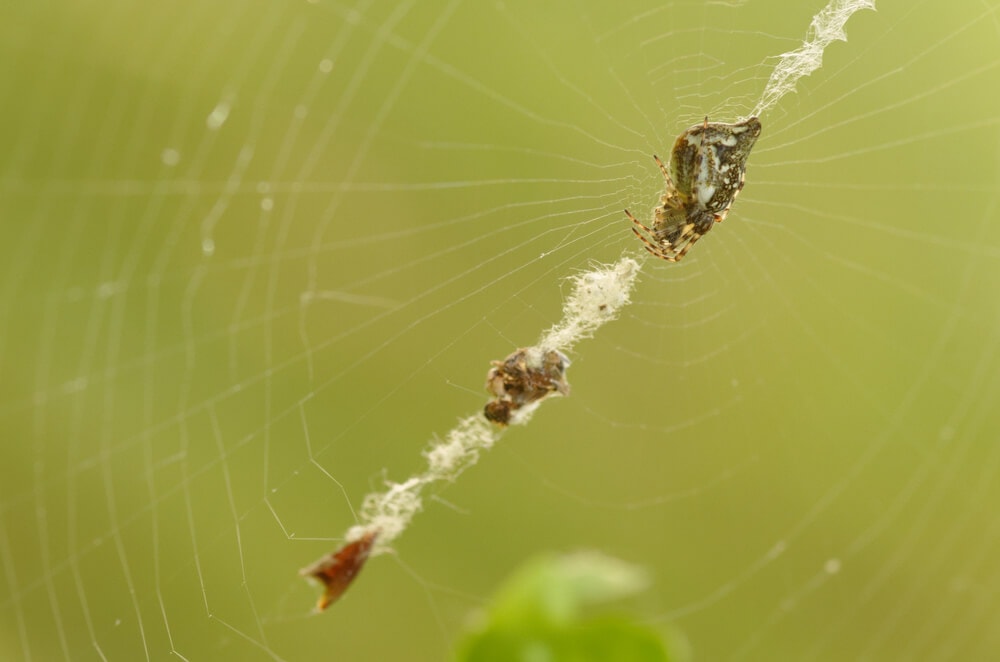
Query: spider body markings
pixel 707 168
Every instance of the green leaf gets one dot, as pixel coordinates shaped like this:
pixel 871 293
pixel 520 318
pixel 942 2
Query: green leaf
pixel 538 615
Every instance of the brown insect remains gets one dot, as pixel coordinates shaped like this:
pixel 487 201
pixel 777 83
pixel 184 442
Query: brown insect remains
pixel 523 378
pixel 707 167
pixel 336 571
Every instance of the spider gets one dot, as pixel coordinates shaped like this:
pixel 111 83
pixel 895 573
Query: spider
pixel 706 172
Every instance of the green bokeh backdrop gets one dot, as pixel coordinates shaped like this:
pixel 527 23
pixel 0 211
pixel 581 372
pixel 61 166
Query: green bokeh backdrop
pixel 393 199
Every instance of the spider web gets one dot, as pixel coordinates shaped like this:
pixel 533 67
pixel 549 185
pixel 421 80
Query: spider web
pixel 255 256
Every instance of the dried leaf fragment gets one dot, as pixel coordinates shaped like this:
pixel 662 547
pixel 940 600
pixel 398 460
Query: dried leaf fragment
pixel 337 570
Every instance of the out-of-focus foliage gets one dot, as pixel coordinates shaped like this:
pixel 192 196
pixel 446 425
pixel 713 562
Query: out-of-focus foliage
pixel 541 613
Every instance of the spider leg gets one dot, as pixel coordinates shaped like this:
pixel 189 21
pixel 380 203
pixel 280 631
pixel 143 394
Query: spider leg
pixel 666 173
pixel 647 244
pixel 658 251
pixel 682 252
pixel 668 254
pixel 635 222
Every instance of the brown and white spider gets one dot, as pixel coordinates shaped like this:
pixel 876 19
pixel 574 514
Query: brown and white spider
pixel 706 172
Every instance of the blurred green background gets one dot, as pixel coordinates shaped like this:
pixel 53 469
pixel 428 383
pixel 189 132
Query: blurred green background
pixel 254 256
